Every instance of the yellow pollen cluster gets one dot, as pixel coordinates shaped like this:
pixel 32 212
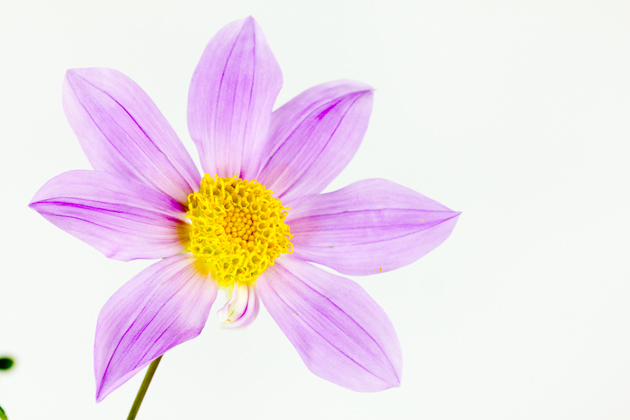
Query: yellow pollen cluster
pixel 237 230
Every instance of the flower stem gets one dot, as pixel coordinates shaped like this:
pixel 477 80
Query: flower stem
pixel 143 388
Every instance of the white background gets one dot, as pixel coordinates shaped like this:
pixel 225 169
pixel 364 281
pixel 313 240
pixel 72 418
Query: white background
pixel 515 113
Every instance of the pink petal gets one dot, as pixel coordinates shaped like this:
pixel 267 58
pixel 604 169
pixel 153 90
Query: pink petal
pixel 163 306
pixel 340 332
pixel 231 96
pixel 122 219
pixel 122 132
pixel 368 227
pixel 314 136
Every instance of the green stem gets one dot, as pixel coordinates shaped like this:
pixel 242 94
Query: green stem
pixel 143 388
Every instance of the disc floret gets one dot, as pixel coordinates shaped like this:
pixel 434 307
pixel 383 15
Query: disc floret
pixel 237 230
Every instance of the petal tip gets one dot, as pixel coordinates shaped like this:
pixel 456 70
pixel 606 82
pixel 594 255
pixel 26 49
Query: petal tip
pixel 383 384
pixel 71 72
pixel 366 95
pixel 101 390
pixel 76 73
pixel 398 382
pixel 247 22
pixel 92 74
pixel 357 86
pixel 99 396
pixel 455 215
pixel 368 90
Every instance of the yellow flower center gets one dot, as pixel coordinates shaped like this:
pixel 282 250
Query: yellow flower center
pixel 237 230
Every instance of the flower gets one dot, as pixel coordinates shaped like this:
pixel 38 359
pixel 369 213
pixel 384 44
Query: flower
pixel 251 225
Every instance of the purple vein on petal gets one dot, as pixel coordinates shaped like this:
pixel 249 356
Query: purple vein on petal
pixel 314 136
pixel 368 227
pixel 139 333
pixel 349 339
pixel 122 219
pixel 163 306
pixel 230 100
pixel 122 132
pixel 332 320
pixel 306 168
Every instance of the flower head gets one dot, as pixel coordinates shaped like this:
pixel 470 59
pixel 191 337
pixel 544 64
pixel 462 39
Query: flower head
pixel 250 225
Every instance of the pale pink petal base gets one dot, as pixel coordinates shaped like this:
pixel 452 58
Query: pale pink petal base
pixel 163 306
pixel 340 332
pixel 368 227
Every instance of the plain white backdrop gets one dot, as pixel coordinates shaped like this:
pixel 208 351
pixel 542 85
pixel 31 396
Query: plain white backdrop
pixel 515 113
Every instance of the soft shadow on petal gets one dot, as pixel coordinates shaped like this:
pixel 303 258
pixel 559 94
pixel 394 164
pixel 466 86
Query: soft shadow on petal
pixel 314 136
pixel 122 132
pixel 340 332
pixel 163 306
pixel 122 219
pixel 368 227
pixel 230 100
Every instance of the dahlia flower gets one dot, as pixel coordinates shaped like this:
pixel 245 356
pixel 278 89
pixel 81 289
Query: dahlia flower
pixel 251 225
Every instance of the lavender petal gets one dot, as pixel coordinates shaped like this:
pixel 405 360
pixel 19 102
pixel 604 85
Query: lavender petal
pixel 230 100
pixel 160 308
pixel 368 227
pixel 122 132
pixel 339 331
pixel 122 219
pixel 314 136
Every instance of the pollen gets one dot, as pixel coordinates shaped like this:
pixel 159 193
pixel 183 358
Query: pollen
pixel 237 230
